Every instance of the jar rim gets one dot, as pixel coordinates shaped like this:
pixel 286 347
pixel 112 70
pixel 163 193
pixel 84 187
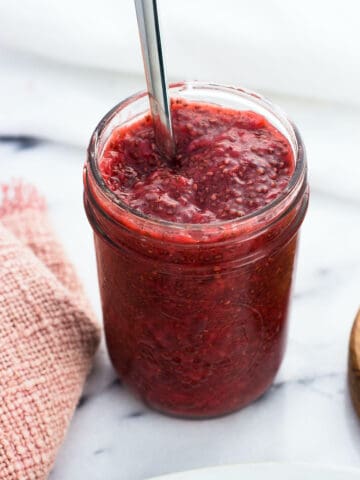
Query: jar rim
pixel 297 179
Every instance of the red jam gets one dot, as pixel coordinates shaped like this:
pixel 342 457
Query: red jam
pixel 229 163
pixel 195 315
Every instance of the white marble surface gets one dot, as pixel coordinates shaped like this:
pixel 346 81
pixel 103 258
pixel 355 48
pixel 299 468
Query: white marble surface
pixel 307 415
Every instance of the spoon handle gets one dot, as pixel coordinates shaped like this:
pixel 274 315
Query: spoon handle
pixel 149 30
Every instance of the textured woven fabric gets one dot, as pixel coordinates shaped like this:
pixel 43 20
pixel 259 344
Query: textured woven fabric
pixel 48 337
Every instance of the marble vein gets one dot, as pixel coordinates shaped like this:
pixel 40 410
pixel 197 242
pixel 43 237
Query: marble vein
pixel 21 142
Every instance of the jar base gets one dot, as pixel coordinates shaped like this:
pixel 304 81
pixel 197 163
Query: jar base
pixel 198 416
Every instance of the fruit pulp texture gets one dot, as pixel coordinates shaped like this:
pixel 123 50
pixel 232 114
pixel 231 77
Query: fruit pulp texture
pixel 205 338
pixel 228 164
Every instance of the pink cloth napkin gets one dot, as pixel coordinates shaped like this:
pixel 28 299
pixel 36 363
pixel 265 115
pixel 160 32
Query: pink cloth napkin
pixel 48 337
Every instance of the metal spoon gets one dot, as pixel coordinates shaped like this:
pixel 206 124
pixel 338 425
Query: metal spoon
pixel 149 30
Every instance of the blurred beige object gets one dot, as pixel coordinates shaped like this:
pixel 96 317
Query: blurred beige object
pixel 354 364
pixel 48 337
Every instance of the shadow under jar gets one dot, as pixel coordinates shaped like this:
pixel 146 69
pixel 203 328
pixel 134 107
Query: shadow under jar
pixel 195 315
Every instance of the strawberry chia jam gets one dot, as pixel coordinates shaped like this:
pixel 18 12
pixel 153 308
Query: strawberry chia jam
pixel 195 255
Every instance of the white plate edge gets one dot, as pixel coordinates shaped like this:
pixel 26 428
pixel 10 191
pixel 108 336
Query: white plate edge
pixel 306 467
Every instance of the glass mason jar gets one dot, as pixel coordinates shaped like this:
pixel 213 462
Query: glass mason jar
pixel 195 316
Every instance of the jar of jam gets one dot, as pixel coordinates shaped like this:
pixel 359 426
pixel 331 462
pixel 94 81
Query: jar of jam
pixel 195 255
